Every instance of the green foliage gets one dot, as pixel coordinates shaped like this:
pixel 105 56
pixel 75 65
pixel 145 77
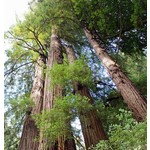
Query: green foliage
pixel 67 74
pixel 131 137
pixel 140 12
pixel 134 41
pixel 59 13
pixel 108 114
pixel 136 69
pixel 11 139
pixel 56 122
pixel 19 68
pixel 128 22
pixel 98 13
pixel 14 116
pixel 124 132
pixel 21 104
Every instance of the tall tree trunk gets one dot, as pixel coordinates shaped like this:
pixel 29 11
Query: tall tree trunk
pixel 30 132
pixel 130 94
pixel 65 143
pixel 55 56
pixel 90 122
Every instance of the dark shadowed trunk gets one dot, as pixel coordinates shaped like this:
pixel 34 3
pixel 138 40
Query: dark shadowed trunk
pixel 130 94
pixel 66 143
pixel 50 93
pixel 30 132
pixel 90 122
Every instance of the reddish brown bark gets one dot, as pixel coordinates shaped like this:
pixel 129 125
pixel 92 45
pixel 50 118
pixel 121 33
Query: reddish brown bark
pixel 50 93
pixel 29 135
pixel 65 143
pixel 91 125
pixel 129 92
pixel 30 132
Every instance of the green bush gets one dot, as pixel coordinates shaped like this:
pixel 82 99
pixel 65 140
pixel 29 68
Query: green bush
pixel 65 74
pixel 54 122
pixel 125 134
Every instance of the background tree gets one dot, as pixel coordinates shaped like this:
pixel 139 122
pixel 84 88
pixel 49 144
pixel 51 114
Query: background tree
pixel 55 57
pixel 30 131
pixel 91 125
pixel 134 100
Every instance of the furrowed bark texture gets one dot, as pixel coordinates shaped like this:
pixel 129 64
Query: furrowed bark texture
pixel 91 125
pixel 50 93
pixel 30 132
pixel 65 143
pixel 130 94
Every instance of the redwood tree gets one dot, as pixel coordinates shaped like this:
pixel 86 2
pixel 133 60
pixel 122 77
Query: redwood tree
pixel 129 92
pixel 30 132
pixel 99 30
pixel 90 122
pixel 50 93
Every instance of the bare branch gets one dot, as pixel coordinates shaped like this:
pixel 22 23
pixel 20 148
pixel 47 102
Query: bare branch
pixel 76 139
pixel 8 72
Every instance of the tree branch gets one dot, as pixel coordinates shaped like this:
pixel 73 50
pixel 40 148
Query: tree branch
pixel 79 143
pixel 103 83
pixel 8 72
pixel 27 45
pixel 37 40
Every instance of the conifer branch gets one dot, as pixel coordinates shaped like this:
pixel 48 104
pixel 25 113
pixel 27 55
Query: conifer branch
pixel 8 72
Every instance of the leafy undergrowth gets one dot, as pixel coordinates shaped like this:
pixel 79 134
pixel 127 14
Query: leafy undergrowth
pixel 125 134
